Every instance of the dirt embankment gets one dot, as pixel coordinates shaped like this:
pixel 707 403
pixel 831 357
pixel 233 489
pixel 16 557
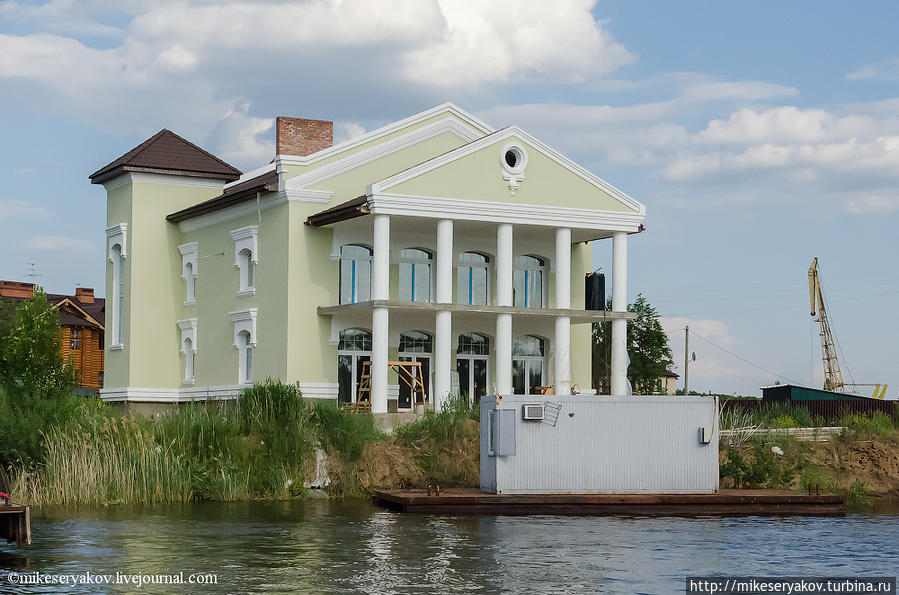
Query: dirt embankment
pixel 833 466
pixel 873 461
pixel 395 463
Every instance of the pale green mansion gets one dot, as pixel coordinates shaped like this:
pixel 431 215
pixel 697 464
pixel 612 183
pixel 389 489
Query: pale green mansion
pixel 436 239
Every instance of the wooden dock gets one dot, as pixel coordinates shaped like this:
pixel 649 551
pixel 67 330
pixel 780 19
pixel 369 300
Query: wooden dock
pixel 15 524
pixel 724 503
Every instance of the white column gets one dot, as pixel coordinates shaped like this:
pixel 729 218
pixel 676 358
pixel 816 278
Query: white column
pixel 504 298
pixel 380 326
pixel 443 341
pixel 619 304
pixel 562 350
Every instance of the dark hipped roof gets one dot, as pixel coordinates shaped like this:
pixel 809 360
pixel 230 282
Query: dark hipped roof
pixel 237 193
pixel 167 153
pixel 347 210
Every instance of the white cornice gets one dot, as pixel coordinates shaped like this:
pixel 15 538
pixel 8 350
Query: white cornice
pixel 512 131
pixel 136 176
pixel 250 206
pixel 448 108
pixel 251 174
pixel 462 131
pixel 438 207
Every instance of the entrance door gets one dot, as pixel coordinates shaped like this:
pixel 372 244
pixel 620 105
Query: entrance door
pixel 528 365
pixel 471 364
pixel 353 350
pixel 415 346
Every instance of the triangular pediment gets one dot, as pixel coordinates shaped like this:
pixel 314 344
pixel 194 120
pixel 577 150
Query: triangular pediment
pixel 481 171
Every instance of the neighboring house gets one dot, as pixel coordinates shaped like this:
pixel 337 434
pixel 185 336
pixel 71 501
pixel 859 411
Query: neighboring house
pixel 81 319
pixel 434 239
pixel 669 383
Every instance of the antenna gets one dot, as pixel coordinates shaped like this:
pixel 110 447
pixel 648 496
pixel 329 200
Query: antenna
pixel 31 272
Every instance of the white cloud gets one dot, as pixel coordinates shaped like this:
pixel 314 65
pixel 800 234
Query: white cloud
pixel 13 209
pixel 875 202
pixel 713 367
pixel 243 140
pixel 345 131
pixel 61 244
pixel 885 69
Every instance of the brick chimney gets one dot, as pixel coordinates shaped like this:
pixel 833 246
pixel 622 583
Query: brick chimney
pixel 16 289
pixel 85 295
pixel 298 136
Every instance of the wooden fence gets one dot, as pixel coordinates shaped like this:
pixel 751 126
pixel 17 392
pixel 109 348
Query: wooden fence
pixel 828 410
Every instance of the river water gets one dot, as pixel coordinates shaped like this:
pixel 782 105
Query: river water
pixel 328 546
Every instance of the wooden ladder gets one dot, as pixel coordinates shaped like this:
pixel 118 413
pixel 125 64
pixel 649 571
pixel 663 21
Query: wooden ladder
pixel 408 372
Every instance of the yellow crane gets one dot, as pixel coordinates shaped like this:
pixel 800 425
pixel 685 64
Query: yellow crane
pixel 833 377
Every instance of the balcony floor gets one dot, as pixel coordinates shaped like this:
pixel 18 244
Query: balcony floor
pixel 577 316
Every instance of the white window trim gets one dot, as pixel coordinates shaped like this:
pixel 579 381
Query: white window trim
pixel 246 238
pixel 244 321
pixel 514 175
pixel 189 330
pixel 117 235
pixel 190 256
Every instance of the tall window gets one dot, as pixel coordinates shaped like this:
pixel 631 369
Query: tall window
pixel 118 296
pixel 75 338
pixel 472 286
pixel 247 271
pixel 528 365
pixel 190 279
pixel 416 346
pixel 471 363
pixel 415 275
pixel 355 274
pixel 245 346
pixel 527 282
pixel 188 360
pixel 353 350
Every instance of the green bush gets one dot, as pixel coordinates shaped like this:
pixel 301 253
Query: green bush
pixel 817 477
pixel 860 424
pixel 857 495
pixel 344 432
pixel 443 425
pixel 764 470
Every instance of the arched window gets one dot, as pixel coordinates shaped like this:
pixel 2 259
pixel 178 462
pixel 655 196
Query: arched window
pixel 527 282
pixel 118 296
pixel 353 350
pixel 472 286
pixel 416 346
pixel 247 270
pixel 190 278
pixel 415 275
pixel 188 360
pixel 528 365
pixel 355 274
pixel 245 350
pixel 471 364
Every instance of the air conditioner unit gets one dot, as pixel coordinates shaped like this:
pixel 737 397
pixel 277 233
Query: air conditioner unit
pixel 532 412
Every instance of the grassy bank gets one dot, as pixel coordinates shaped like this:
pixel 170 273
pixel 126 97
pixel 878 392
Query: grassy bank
pixel 260 446
pixel 861 462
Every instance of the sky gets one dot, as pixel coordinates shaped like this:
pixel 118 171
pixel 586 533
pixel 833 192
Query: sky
pixel 758 135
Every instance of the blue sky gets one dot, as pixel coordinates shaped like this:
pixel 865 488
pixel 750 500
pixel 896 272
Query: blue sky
pixel 759 135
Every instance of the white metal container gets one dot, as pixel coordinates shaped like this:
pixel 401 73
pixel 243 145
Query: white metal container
pixel 599 444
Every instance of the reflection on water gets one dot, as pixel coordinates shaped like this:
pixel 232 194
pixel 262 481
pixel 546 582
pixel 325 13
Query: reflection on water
pixel 325 546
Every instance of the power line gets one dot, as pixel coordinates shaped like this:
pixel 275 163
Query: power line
pixel 741 358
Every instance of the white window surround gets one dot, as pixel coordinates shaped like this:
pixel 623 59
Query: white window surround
pixel 514 174
pixel 246 238
pixel 244 326
pixel 190 256
pixel 117 251
pixel 189 331
pixel 117 234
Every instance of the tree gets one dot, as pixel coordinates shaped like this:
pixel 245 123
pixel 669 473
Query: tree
pixel 35 382
pixel 30 357
pixel 647 348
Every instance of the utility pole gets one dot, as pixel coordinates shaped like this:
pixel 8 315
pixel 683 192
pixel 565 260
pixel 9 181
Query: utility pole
pixel 687 361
